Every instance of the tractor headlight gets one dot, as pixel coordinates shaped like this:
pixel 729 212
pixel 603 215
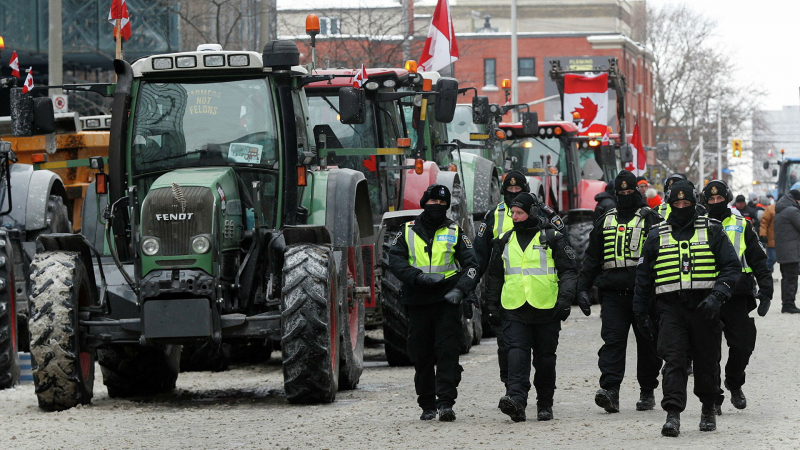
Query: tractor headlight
pixel 150 246
pixel 201 244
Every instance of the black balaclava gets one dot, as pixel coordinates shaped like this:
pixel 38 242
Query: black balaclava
pixel 629 202
pixel 719 210
pixel 434 215
pixel 526 202
pixel 682 190
pixel 514 178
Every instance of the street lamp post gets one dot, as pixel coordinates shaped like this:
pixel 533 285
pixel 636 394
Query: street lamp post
pixel 514 59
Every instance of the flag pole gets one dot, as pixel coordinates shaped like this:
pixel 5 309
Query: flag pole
pixel 118 38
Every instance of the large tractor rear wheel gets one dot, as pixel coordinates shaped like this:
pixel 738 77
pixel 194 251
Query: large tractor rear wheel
pixel 395 318
pixel 579 239
pixel 63 371
pixel 9 360
pixel 352 315
pixel 467 332
pixel 309 322
pixel 477 324
pixel 132 370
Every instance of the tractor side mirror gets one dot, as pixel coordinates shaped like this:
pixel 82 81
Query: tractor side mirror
pixel 774 172
pixel 44 120
pixel 626 153
pixel 480 109
pixel 352 106
pixel 447 88
pixel 766 165
pixel 530 123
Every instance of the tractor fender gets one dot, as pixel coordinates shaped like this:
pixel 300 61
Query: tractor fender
pixel 347 194
pixel 537 188
pixel 30 191
pixel 71 243
pixel 414 185
pixel 587 189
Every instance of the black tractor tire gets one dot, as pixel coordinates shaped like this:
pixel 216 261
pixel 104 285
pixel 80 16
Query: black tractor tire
pixel 130 370
pixel 63 372
pixel 395 316
pixel 477 325
pixel 57 218
pixel 353 317
pixel 467 332
pixel 9 358
pixel 309 322
pixel 579 239
pixel 207 356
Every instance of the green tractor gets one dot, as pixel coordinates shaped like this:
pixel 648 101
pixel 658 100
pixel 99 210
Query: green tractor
pixel 212 222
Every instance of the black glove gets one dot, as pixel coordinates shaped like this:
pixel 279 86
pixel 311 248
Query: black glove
pixel 454 296
pixel 429 279
pixel 763 304
pixel 585 303
pixel 645 325
pixel 494 318
pixel 709 308
pixel 763 240
pixel 562 310
pixel 466 308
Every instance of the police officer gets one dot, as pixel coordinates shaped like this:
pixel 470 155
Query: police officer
pixel 740 329
pixel 615 244
pixel 497 222
pixel 664 208
pixel 436 263
pixel 531 285
pixel 690 264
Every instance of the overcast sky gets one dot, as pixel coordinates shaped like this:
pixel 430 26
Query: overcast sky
pixel 762 37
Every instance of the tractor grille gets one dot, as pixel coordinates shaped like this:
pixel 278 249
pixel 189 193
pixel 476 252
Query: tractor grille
pixel 176 214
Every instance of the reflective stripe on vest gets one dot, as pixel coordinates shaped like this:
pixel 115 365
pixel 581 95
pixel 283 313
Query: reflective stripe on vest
pixel 622 243
pixel 684 265
pixel 530 275
pixel 734 226
pixel 442 249
pixel 501 225
pixel 663 210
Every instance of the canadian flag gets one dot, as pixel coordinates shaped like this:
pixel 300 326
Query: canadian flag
pixel 28 82
pixel 119 10
pixel 639 163
pixel 606 140
pixel 440 48
pixel 361 77
pixel 14 64
pixel 587 96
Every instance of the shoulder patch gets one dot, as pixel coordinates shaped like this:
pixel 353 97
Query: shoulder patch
pixel 558 224
pixel 482 229
pixel 472 273
pixel 569 251
pixel 547 209
pixel 467 242
pixel 501 206
pixel 641 260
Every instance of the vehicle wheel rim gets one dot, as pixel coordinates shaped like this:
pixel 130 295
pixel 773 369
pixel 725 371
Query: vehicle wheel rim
pixel 86 364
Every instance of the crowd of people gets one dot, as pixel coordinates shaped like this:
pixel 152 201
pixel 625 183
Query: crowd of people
pixel 681 269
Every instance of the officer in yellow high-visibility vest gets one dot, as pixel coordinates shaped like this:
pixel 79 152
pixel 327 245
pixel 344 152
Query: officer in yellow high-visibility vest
pixel 690 264
pixel 436 262
pixel 531 286
pixel 740 328
pixel 664 208
pixel 496 222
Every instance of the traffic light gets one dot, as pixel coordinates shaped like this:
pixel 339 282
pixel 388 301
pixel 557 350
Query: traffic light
pixel 737 148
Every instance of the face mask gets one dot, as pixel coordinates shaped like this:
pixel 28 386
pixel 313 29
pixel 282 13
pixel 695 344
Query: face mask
pixel 434 215
pixel 716 210
pixel 682 216
pixel 531 222
pixel 628 201
pixel 510 196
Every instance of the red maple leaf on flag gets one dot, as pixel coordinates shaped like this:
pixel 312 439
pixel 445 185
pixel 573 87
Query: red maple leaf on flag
pixel 588 111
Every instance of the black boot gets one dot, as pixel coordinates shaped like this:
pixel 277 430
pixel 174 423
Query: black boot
pixel 512 408
pixel 446 414
pixel 790 308
pixel 672 427
pixel 607 399
pixel 428 414
pixel 544 413
pixel 718 409
pixel 737 399
pixel 708 418
pixel 647 401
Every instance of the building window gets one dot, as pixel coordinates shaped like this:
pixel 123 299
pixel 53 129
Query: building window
pixel 328 25
pixel 526 67
pixel 490 72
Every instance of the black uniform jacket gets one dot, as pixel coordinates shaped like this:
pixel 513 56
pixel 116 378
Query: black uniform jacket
pixel 566 268
pixel 465 280
pixel 756 258
pixel 592 269
pixel 727 262
pixel 484 237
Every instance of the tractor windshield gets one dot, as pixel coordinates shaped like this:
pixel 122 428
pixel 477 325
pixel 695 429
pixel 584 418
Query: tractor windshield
pixel 792 179
pixel 529 155
pixel 461 127
pixel 204 124
pixel 324 110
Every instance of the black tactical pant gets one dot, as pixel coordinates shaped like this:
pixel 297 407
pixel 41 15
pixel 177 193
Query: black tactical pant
pixel 617 319
pixel 681 330
pixel 502 353
pixel 789 273
pixel 434 337
pixel 522 340
pixel 740 334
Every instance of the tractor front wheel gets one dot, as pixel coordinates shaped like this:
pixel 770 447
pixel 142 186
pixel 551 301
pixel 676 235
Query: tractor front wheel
pixel 132 370
pixel 309 323
pixel 9 361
